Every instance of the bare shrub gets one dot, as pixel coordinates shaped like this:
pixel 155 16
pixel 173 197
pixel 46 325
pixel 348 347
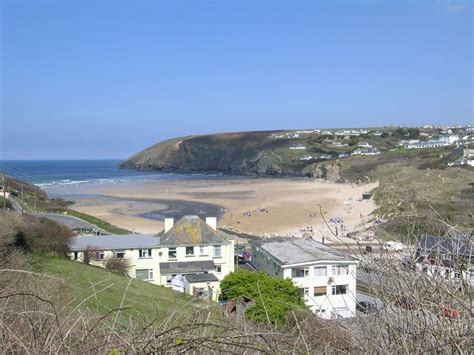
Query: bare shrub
pixel 120 266
pixel 88 255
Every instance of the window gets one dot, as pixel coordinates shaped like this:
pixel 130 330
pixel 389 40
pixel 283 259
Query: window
pixel 218 268
pixel 445 256
pixel 172 253
pixel 457 274
pixel 217 251
pixel 202 250
pixel 144 274
pixel 100 255
pixel 320 271
pixel 340 270
pixel 297 272
pixel 339 289
pixel 304 291
pixel 120 254
pixel 144 253
pixel 306 272
pixel 320 291
pixel 189 251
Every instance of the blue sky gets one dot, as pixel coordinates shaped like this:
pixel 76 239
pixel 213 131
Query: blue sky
pixel 104 79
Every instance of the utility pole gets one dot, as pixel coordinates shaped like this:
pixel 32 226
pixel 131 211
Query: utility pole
pixel 22 201
pixel 4 194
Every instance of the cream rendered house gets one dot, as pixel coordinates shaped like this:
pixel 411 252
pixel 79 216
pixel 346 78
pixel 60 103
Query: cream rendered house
pixel 325 277
pixel 191 255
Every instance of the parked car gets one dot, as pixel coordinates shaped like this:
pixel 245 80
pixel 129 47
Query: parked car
pixel 366 307
pixel 451 313
pixel 393 246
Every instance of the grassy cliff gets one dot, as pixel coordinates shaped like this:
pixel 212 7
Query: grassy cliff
pixel 415 182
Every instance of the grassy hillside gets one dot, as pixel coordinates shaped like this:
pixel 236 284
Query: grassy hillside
pixel 31 198
pixel 100 291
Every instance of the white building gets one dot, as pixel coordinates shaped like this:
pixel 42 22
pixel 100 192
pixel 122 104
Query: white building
pixel 191 256
pixel 326 277
pixel 297 147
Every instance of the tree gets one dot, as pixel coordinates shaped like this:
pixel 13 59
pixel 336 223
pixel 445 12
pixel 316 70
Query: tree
pixel 413 133
pixel 354 140
pixel 272 297
pixel 384 135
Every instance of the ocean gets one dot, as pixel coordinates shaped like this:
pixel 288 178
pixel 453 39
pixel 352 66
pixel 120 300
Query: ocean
pixel 57 176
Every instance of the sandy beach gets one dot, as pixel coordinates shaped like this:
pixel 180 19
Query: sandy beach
pixel 261 206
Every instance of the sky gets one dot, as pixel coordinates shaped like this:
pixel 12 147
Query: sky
pixel 105 79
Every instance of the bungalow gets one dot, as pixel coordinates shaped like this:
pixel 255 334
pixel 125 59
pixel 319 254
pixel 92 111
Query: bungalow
pixel 191 256
pixel 325 277
pixel 449 257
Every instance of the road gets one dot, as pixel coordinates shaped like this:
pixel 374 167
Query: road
pixel 72 222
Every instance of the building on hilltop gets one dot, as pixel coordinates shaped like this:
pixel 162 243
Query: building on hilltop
pixel 190 255
pixel 325 277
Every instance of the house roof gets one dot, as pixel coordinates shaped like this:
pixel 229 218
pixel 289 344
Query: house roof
pixel 110 242
pixel 191 278
pixel 298 251
pixel 192 230
pixel 460 245
pixel 184 267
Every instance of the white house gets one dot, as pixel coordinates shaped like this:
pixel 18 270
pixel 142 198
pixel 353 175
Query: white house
pixel 191 256
pixel 297 147
pixel 326 277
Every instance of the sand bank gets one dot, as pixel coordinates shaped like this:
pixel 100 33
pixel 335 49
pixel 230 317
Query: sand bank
pixel 253 205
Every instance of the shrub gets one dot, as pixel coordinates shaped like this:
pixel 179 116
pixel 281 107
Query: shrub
pixel 33 234
pixel 120 266
pixel 272 297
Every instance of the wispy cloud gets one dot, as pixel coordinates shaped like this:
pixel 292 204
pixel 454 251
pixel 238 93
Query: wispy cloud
pixel 458 7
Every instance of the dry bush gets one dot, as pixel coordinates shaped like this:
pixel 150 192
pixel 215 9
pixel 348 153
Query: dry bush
pixel 33 234
pixel 120 266
pixel 39 315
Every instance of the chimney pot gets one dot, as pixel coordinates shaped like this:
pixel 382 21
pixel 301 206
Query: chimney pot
pixel 212 222
pixel 169 223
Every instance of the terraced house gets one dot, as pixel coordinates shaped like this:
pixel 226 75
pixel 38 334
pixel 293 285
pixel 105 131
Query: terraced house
pixel 325 277
pixel 191 255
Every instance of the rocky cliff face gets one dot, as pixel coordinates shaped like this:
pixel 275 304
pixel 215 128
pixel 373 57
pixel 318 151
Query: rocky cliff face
pixel 331 172
pixel 248 153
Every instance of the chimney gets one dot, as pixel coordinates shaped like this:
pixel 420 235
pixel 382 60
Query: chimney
pixel 212 222
pixel 169 223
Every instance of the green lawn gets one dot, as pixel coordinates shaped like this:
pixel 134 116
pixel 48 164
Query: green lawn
pixel 146 301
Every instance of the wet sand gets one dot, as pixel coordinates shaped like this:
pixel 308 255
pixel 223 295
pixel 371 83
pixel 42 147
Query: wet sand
pixel 261 206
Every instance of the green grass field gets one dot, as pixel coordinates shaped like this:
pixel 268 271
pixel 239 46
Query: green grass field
pixel 100 291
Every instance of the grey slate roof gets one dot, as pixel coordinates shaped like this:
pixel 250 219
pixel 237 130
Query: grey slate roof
pixel 459 245
pixel 191 278
pixel 111 242
pixel 192 230
pixel 294 251
pixel 183 267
